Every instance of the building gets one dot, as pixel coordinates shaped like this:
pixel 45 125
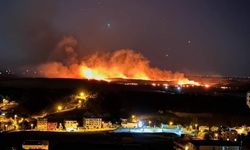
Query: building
pixel 207 145
pixel 92 123
pixel 248 99
pixel 106 124
pixel 52 126
pixel 42 124
pixel 70 125
pixel 229 135
pixel 129 125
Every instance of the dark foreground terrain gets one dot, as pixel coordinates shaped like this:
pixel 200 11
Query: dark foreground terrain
pixel 104 140
pixel 115 100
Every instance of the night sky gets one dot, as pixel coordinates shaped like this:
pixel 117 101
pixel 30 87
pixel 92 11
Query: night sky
pixel 191 36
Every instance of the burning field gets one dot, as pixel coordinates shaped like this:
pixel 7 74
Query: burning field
pixel 124 64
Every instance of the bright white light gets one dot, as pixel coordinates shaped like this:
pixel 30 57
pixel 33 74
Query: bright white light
pixel 176 131
pixel 178 88
pixel 108 25
pixel 3 114
pixel 70 129
pixel 140 124
pixel 235 140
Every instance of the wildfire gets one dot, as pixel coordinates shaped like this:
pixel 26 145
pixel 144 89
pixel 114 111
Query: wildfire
pixel 124 63
pixel 108 73
pixel 89 73
pixel 190 82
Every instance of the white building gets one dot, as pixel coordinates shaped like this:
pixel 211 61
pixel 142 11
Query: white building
pixel 248 99
pixel 92 123
pixel 129 124
pixel 70 125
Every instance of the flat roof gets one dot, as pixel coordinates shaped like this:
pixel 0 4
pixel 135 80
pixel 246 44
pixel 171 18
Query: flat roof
pixel 214 143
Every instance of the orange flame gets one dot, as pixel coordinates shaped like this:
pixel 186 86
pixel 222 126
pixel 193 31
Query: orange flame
pixel 125 64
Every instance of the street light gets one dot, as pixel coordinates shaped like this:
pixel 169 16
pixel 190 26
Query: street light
pixel 216 135
pixel 59 107
pixel 149 122
pixel 134 119
pixel 171 123
pixel 186 147
pixel 196 125
pixel 82 95
pixel 140 124
pixel 32 125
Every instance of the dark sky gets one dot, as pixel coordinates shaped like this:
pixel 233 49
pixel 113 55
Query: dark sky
pixel 192 36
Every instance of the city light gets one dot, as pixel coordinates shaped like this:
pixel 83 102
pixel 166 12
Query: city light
pixel 178 88
pixel 186 148
pixel 134 118
pixel 6 127
pixel 82 95
pixel 59 107
pixel 171 123
pixel 196 125
pixel 149 122
pixel 140 124
pixel 216 135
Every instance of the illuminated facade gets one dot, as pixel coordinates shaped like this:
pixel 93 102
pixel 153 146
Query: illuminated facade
pixel 52 126
pixel 129 125
pixel 42 124
pixel 92 123
pixel 70 125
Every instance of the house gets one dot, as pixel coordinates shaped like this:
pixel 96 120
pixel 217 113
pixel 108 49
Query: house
pixel 52 126
pixel 70 125
pixel 129 125
pixel 92 123
pixel 42 124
